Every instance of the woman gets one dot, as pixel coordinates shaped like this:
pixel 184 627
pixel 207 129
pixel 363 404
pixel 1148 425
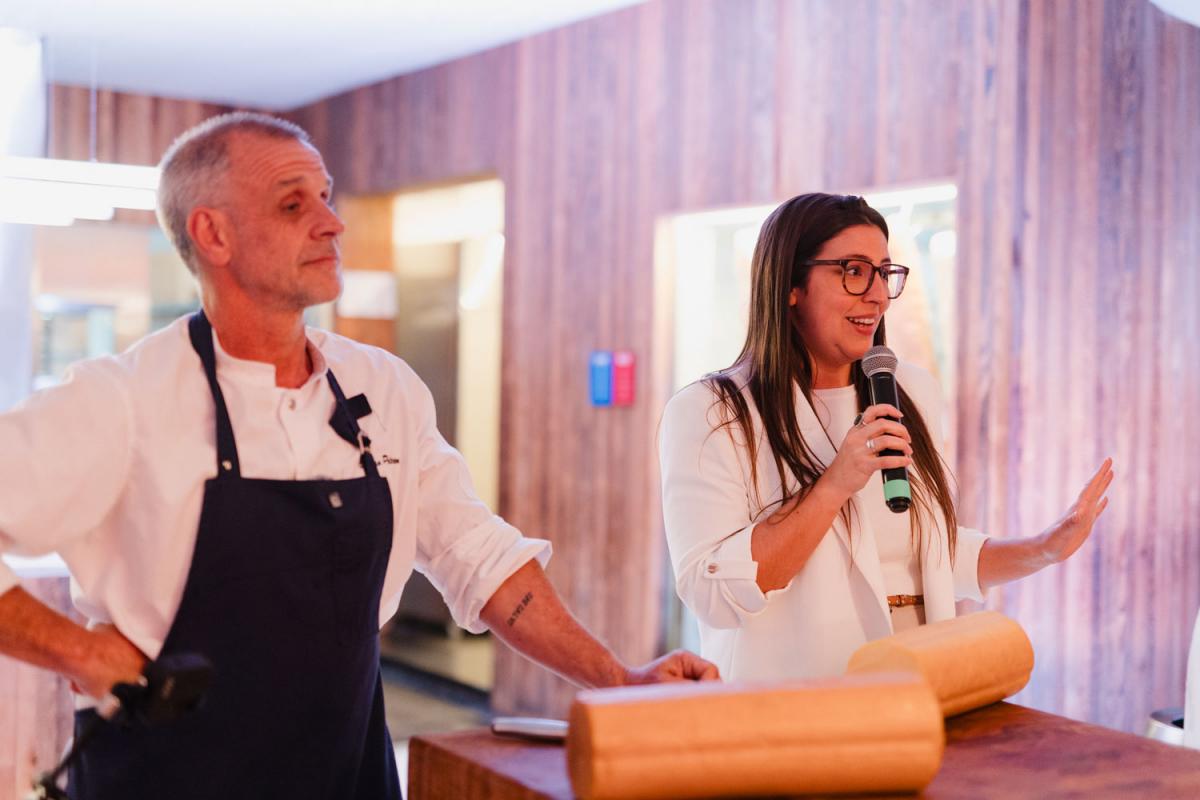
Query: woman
pixel 778 533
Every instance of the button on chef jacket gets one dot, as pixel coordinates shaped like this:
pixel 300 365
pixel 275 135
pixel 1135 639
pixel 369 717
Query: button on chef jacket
pixel 109 468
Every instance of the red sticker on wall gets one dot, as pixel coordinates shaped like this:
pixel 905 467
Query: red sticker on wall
pixel 623 377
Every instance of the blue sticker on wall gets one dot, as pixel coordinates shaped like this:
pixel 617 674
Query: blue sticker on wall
pixel 600 367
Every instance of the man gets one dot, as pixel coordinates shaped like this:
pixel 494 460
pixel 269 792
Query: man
pixel 239 486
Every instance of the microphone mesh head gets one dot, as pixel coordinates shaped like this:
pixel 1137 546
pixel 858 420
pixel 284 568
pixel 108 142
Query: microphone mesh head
pixel 879 359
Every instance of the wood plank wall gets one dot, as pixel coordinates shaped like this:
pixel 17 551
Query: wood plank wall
pixel 1071 129
pixel 597 130
pixel 1081 223
pixel 128 128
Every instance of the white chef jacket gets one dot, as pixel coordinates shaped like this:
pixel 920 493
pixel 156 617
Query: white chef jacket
pixel 109 468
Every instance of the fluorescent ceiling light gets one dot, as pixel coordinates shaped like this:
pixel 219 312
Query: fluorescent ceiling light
pixel 95 173
pixel 47 191
pixel 18 216
pixel 76 200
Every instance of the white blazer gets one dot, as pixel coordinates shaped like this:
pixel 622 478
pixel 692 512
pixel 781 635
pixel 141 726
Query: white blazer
pixel 837 601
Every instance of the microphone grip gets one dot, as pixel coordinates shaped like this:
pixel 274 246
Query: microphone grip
pixel 897 492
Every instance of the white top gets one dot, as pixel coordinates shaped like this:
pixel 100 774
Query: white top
pixel 109 470
pixel 837 410
pixel 838 600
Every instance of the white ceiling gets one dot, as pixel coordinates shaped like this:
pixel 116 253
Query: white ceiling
pixel 273 54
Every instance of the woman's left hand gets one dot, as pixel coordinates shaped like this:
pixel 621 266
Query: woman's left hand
pixel 1067 535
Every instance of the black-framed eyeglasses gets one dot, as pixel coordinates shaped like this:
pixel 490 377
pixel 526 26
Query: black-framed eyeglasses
pixel 858 275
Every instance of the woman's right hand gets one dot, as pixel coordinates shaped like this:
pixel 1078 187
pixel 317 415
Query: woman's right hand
pixel 858 457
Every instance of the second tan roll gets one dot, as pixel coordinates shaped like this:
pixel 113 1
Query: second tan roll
pixel 969 661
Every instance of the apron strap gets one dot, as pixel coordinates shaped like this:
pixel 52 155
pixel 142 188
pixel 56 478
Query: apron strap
pixel 350 421
pixel 358 407
pixel 200 332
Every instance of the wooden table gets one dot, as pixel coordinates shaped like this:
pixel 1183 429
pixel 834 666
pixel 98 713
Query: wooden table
pixel 1001 751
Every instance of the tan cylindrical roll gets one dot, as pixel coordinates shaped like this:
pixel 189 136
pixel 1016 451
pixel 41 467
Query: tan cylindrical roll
pixel 863 733
pixel 969 661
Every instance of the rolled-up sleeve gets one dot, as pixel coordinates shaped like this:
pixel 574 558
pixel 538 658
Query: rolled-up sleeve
pixel 706 508
pixel 464 549
pixel 966 564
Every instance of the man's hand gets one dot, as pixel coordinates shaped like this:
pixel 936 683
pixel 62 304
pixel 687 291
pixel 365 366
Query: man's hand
pixel 527 615
pixel 92 660
pixel 678 665
pixel 110 659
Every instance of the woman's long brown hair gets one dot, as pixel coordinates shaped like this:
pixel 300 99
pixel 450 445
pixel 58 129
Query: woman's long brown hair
pixel 775 360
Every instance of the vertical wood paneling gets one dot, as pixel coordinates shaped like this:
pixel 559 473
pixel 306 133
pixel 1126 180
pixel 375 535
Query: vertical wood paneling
pixel 1075 349
pixel 613 123
pixel 1078 611
pixel 1071 128
pixel 130 129
pixel 988 260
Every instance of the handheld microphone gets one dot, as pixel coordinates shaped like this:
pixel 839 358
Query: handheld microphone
pixel 879 365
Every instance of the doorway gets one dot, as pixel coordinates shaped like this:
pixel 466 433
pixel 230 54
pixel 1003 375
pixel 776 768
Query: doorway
pixel 424 279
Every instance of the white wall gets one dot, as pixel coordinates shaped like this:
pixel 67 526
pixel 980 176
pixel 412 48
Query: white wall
pixel 22 132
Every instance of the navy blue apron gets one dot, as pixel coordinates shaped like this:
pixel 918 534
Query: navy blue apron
pixel 283 598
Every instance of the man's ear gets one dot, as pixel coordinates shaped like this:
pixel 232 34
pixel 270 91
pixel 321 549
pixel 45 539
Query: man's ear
pixel 210 234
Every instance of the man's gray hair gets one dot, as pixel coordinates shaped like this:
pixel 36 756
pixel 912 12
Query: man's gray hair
pixel 194 165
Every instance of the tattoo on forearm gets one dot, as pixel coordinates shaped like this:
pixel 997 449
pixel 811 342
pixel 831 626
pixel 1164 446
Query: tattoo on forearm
pixel 525 601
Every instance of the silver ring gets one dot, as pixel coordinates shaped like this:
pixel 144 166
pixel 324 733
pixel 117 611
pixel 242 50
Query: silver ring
pixel 871 445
